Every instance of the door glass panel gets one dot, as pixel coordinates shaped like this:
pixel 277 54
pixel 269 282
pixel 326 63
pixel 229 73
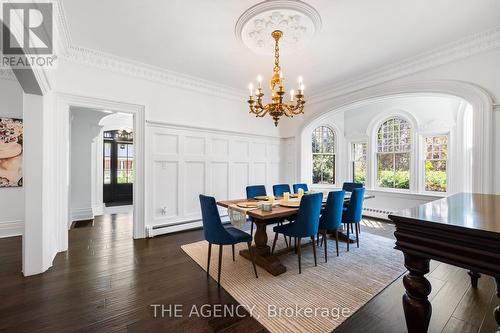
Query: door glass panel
pixel 125 168
pixel 107 163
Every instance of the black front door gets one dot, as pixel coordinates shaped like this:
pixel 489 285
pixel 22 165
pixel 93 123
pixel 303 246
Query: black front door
pixel 118 168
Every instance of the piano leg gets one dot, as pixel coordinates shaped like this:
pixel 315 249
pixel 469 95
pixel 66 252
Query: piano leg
pixel 416 305
pixel 497 310
pixel 474 277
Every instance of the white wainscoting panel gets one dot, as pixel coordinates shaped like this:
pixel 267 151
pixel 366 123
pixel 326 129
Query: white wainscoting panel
pixel 184 162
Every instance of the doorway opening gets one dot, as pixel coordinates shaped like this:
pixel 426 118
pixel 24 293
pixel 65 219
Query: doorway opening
pixel 102 158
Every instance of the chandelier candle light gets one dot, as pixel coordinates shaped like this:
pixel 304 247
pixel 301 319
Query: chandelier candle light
pixel 276 108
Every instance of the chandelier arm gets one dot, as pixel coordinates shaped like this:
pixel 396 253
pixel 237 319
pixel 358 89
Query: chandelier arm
pixel 263 112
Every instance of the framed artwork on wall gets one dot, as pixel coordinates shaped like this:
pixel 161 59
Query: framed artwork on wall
pixel 11 152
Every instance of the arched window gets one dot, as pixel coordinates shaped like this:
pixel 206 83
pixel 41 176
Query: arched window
pixel 393 153
pixel 323 154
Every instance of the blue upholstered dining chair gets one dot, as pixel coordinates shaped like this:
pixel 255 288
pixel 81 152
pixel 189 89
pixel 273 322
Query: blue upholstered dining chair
pixel 255 191
pixel 348 186
pixel 252 192
pixel 306 224
pixel 331 218
pixel 353 213
pixel 302 186
pixel 215 233
pixel 279 189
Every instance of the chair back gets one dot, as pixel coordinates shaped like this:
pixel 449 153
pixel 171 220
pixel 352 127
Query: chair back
pixel 348 187
pixel 212 225
pixel 332 216
pixel 302 186
pixel 307 221
pixel 255 191
pixel 279 189
pixel 354 211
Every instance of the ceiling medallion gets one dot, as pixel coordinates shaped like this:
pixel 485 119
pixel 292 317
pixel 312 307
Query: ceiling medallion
pixel 298 21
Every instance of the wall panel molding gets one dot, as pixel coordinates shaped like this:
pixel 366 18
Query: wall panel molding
pixel 213 162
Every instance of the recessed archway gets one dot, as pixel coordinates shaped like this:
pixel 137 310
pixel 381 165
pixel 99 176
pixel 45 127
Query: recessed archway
pixel 479 100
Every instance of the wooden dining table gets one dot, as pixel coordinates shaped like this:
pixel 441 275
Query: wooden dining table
pixel 261 248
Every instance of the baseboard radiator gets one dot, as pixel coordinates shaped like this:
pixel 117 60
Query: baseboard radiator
pixel 377 213
pixel 156 230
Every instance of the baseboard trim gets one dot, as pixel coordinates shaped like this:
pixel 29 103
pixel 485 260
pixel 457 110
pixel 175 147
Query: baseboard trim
pixel 98 209
pixel 81 214
pixel 11 228
pixel 127 209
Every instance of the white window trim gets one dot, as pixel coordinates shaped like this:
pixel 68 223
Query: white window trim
pixel 350 159
pixel 336 153
pixel 423 154
pixel 372 131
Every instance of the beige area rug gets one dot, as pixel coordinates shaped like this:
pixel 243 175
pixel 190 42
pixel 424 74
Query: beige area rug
pixel 345 283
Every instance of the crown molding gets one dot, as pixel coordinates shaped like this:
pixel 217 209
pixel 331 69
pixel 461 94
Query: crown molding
pixel 63 36
pixel 496 107
pixel 144 71
pixel 464 48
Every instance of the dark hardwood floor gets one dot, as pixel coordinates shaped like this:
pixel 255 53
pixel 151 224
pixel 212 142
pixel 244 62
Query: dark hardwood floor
pixel 107 282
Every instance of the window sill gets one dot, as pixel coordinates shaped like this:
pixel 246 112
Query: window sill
pixel 389 192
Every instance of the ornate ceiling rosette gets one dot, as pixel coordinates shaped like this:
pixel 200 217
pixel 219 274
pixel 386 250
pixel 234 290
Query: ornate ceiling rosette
pixel 298 21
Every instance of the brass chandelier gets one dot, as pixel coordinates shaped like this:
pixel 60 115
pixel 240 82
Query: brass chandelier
pixel 276 108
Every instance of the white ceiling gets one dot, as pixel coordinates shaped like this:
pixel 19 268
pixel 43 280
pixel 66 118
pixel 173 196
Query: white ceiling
pixel 196 37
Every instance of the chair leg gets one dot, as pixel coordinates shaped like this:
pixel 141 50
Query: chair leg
pixel 337 241
pixel 326 246
pixel 322 239
pixel 253 259
pixel 290 241
pixel 295 243
pixel 314 251
pixel 286 241
pixel 208 261
pixel 359 227
pixel 274 243
pixel 352 227
pixel 317 239
pixel 251 229
pixel 348 239
pixel 299 254
pixel 232 246
pixel 357 236
pixel 220 264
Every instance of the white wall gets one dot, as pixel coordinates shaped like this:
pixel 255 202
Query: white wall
pixel 85 129
pixel 163 102
pixel 11 199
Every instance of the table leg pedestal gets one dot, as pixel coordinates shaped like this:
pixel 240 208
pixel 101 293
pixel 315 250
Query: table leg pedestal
pixel 262 251
pixel 416 305
pixel 497 309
